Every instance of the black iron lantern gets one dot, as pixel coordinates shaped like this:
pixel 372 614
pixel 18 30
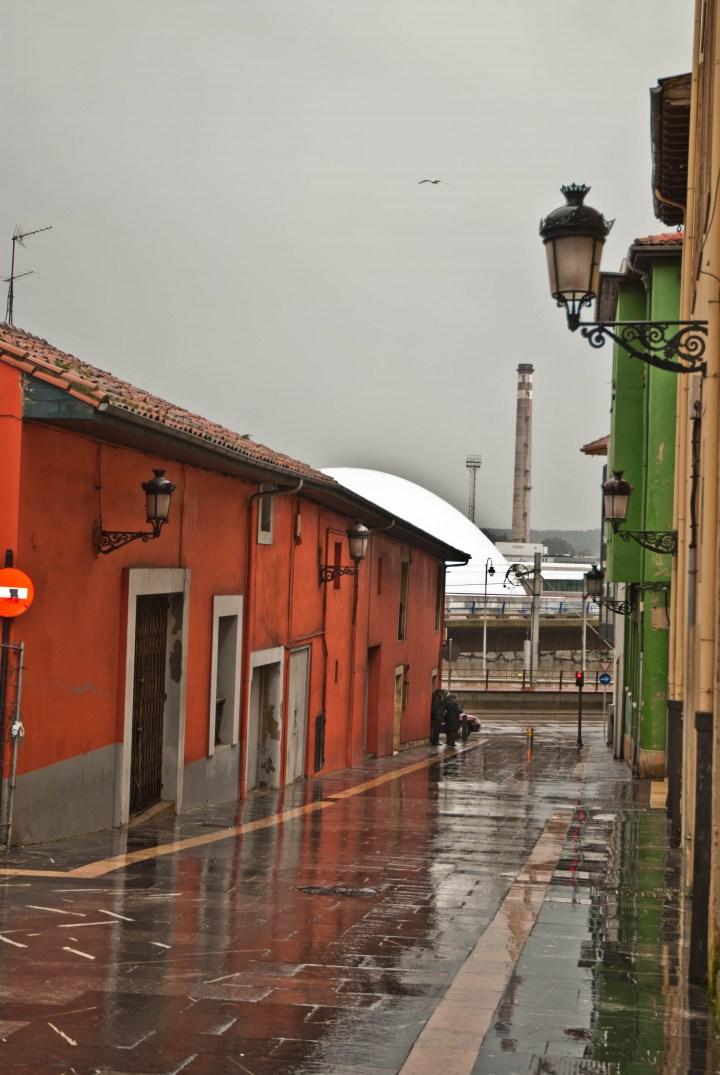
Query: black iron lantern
pixel 158 496
pixel 574 235
pixel 594 582
pixel 358 536
pixel 616 493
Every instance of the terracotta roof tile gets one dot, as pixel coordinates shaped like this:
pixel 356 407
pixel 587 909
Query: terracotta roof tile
pixel 596 447
pixel 667 238
pixel 100 389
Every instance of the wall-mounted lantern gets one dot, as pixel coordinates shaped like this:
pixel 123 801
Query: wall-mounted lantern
pixel 358 537
pixel 594 582
pixel 574 235
pixel 158 497
pixel 616 494
pixel 594 579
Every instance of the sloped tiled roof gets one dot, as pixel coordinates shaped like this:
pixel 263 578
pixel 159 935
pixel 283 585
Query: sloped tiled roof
pixel 596 447
pixel 667 238
pixel 100 389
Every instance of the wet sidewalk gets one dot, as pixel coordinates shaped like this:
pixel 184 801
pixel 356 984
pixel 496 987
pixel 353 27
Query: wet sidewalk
pixel 495 911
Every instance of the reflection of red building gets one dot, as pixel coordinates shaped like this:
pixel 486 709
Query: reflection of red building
pixel 197 666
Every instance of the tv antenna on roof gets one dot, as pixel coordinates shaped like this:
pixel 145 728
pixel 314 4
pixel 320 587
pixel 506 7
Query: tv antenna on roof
pixel 18 236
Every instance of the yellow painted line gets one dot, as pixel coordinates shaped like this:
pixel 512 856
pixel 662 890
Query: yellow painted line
pixel 119 862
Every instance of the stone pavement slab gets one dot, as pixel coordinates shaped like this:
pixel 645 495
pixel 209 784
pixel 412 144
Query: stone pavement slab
pixel 496 910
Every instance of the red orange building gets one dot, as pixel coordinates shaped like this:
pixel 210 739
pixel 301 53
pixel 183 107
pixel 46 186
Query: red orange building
pixel 196 666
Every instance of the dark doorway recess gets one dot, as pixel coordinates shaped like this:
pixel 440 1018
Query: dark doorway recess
pixel 148 701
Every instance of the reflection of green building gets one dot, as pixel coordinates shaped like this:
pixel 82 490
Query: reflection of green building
pixel 642 446
pixel 636 940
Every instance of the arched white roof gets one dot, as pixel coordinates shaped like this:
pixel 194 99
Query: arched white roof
pixel 435 516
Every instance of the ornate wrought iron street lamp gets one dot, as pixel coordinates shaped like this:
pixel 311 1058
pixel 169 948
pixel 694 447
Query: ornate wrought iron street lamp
pixel 594 579
pixel 616 493
pixel 358 537
pixel 574 235
pixel 158 497
pixel 594 582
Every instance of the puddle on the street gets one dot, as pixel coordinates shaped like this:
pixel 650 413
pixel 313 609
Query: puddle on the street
pixel 322 946
pixel 600 986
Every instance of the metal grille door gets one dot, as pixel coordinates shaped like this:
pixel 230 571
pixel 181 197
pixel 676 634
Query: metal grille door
pixel 148 701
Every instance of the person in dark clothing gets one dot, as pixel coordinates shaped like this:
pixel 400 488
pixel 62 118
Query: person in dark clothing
pixel 437 710
pixel 452 719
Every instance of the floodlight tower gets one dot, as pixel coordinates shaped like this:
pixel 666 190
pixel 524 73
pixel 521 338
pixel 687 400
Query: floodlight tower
pixel 473 464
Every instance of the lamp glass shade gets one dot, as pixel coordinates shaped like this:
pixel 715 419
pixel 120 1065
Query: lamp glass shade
pixel 616 494
pixel 574 266
pixel 358 536
pixel 158 496
pixel 594 582
pixel 574 236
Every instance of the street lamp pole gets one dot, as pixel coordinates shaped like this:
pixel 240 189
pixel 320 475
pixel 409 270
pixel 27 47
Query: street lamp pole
pixel 489 570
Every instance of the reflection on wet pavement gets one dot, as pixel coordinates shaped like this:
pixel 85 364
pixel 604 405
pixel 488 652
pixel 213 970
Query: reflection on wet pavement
pixel 324 944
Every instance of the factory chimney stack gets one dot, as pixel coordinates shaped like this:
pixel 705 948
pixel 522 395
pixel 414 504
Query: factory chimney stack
pixel 522 485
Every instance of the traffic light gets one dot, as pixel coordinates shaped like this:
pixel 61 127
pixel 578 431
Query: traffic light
pixel 579 680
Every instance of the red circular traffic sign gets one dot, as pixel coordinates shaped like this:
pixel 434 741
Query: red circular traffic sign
pixel 16 592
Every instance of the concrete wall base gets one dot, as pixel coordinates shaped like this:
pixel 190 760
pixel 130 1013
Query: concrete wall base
pixel 69 798
pixel 651 764
pixel 75 797
pixel 213 780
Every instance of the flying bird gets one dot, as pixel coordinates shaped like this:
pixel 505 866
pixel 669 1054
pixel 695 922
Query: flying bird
pixel 430 181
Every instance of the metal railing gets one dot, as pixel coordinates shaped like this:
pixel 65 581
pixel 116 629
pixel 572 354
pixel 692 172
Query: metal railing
pixel 520 680
pixel 462 606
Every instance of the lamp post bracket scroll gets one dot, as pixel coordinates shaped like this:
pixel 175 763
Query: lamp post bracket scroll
pixel 574 235
pixel 158 497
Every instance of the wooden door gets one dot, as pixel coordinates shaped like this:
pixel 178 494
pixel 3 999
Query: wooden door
pixel 297 713
pixel 148 701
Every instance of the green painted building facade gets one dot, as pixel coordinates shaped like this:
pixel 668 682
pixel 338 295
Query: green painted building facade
pixel 642 446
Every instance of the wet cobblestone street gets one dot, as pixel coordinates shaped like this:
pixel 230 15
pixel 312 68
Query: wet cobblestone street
pixel 500 911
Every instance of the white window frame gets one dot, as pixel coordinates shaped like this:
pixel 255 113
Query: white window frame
pixel 265 537
pixel 225 605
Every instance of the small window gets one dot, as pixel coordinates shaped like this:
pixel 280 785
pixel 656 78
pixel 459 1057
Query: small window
pixel 337 564
pixel 379 575
pixel 402 610
pixel 225 672
pixel 265 516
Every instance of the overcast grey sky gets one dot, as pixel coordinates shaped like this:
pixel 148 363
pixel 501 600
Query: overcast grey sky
pixel 238 225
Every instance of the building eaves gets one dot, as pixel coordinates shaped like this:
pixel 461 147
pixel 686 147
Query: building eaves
pixel 596 447
pixel 120 403
pixel 104 392
pixel 670 134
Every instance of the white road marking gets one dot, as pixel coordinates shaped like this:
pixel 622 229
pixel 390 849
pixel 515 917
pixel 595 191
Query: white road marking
pixel 222 1028
pixel 139 1041
pixel 68 1039
pixel 15 944
pixel 77 952
pixel 83 925
pixel 54 910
